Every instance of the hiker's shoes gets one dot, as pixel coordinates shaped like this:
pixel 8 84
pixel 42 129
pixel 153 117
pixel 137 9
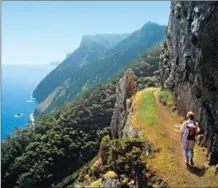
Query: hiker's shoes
pixel 192 162
pixel 187 162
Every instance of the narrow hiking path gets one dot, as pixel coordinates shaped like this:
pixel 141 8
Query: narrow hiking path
pixel 158 123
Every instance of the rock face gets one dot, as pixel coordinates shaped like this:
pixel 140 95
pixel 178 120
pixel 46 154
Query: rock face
pixel 121 127
pixel 110 182
pixel 121 120
pixel 189 65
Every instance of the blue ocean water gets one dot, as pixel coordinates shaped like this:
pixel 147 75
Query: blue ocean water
pixel 18 83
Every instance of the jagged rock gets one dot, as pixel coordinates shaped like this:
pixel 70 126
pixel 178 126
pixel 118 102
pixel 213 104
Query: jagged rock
pixel 156 180
pixel 121 120
pixel 128 130
pixel 191 69
pixel 111 182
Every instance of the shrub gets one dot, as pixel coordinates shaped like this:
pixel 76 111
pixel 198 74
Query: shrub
pixel 124 156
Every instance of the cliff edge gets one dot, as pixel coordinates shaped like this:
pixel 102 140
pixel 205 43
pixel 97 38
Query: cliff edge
pixel 121 122
pixel 189 65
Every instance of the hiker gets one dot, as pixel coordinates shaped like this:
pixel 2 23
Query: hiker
pixel 190 130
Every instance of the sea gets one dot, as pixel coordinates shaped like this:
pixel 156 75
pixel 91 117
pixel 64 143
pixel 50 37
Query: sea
pixel 17 103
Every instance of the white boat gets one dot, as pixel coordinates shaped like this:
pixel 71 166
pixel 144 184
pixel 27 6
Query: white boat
pixel 18 115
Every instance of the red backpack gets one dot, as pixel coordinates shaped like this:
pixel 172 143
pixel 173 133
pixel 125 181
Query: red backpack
pixel 192 129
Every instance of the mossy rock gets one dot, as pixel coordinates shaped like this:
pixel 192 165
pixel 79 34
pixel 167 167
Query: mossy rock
pixel 96 184
pixel 167 98
pixel 110 174
pixel 125 181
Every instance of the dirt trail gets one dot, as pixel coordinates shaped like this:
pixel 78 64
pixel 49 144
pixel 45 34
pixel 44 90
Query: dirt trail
pixel 179 175
pixel 169 120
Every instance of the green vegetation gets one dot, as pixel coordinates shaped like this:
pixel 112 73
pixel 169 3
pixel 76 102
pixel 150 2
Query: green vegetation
pixel 96 184
pixel 163 161
pixel 167 160
pixel 166 98
pixel 65 69
pixel 74 178
pixel 59 144
pixel 125 155
pixel 120 156
pixel 145 82
pixel 147 111
pixel 144 68
pixel 92 47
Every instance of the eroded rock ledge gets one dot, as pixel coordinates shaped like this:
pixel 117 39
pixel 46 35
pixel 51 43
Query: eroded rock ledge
pixel 121 123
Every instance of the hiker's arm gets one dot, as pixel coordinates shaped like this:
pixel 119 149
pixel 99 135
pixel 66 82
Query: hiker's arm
pixel 182 131
pixel 198 131
pixel 181 137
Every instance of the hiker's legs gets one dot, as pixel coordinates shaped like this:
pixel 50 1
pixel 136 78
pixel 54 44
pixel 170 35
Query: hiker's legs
pixel 186 157
pixel 186 154
pixel 190 154
pixel 191 145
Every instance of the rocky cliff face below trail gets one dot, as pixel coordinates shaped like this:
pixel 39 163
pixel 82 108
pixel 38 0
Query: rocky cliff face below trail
pixel 189 65
pixel 121 123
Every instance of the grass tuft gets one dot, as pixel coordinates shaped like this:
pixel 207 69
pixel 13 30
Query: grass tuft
pixel 146 109
pixel 166 98
pixel 96 184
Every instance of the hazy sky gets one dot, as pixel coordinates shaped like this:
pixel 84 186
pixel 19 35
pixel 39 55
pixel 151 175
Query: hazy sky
pixel 42 32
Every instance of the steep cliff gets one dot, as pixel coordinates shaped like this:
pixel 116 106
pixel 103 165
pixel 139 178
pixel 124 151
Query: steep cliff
pixel 121 161
pixel 121 120
pixel 91 48
pixel 189 65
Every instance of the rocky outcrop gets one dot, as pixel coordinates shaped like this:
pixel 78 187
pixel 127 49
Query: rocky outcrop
pixel 121 125
pixel 111 182
pixel 119 162
pixel 189 65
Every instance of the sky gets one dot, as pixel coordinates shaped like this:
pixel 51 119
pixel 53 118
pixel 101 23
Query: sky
pixel 45 31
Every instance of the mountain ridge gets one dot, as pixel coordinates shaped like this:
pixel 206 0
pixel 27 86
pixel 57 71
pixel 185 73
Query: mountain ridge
pixel 108 40
pixel 89 50
pixel 102 69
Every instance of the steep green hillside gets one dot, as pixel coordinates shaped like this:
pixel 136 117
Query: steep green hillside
pixel 124 161
pixel 125 52
pixel 91 48
pixel 61 143
pixel 99 71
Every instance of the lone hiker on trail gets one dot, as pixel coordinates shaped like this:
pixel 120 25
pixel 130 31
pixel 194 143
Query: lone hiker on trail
pixel 190 130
